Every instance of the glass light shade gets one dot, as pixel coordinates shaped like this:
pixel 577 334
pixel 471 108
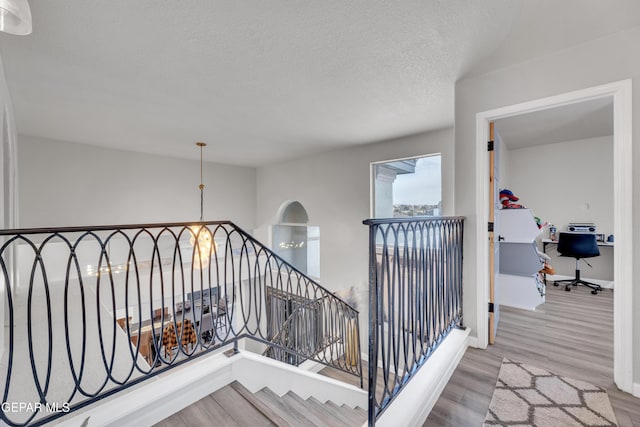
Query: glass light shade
pixel 15 17
pixel 203 246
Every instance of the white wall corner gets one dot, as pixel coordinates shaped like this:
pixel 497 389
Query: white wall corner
pixel 311 366
pixel 413 405
pixel 473 342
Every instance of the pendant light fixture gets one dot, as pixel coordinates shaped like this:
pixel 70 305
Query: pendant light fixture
pixel 15 17
pixel 201 238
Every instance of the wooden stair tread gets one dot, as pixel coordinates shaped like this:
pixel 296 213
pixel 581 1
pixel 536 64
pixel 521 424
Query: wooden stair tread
pixel 347 413
pixel 202 412
pixel 293 415
pixel 361 412
pixel 243 412
pixel 316 412
pixel 260 405
pixel 332 415
pixel 235 406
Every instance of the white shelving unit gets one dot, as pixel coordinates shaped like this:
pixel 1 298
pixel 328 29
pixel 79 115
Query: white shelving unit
pixel 519 261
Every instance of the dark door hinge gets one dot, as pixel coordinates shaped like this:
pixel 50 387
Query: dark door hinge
pixel 490 227
pixel 489 145
pixel 490 307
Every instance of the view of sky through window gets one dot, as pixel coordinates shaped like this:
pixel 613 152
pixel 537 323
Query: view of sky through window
pixel 422 187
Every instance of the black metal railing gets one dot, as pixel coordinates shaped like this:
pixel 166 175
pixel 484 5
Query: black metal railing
pixel 94 310
pixel 304 328
pixel 415 298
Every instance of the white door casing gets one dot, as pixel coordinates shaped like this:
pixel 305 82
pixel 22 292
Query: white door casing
pixel 621 92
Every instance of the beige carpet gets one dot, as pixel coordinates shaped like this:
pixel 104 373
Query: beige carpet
pixel 529 396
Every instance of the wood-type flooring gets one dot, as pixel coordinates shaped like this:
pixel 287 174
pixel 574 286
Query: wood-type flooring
pixel 571 334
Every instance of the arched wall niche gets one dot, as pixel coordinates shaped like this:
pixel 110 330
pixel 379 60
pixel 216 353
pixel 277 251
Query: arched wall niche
pixel 292 212
pixel 296 241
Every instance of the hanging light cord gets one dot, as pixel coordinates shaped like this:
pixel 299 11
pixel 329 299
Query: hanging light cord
pixel 201 186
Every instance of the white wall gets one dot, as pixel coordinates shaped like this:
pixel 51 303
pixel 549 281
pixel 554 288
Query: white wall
pixel 8 160
pixel 66 184
pixel 334 188
pixel 567 182
pixel 608 59
pixel 8 179
pixel 504 171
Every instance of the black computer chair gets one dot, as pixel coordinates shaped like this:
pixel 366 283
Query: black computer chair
pixel 578 246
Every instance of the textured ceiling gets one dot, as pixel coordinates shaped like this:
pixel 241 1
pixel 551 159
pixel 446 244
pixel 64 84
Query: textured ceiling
pixel 544 26
pixel 257 80
pixel 262 81
pixel 589 119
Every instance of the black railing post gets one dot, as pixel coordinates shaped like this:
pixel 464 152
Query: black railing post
pixel 359 354
pixel 373 326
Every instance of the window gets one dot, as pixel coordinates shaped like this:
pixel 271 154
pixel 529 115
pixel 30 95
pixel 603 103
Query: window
pixel 407 187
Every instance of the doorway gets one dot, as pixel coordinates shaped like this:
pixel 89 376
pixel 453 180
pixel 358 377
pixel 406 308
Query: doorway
pixel 620 93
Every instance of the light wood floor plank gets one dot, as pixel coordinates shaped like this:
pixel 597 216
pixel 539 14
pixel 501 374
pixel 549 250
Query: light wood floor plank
pixel 315 412
pixel 235 406
pixel 291 413
pixel 570 335
pixel 260 405
pixel 239 409
pixel 204 412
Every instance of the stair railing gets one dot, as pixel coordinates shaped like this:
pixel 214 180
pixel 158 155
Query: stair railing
pixel 288 334
pixel 91 311
pixel 320 326
pixel 415 298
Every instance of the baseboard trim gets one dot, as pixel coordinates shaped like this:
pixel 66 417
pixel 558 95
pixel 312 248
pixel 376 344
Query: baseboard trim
pixel 636 389
pixel 413 405
pixel 473 342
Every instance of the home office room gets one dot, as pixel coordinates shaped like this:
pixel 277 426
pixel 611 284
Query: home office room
pixel 554 191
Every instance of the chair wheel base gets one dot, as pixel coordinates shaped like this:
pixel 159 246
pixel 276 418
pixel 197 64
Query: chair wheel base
pixel 575 282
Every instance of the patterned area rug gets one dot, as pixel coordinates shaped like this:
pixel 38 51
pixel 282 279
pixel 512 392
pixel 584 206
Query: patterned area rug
pixel 529 396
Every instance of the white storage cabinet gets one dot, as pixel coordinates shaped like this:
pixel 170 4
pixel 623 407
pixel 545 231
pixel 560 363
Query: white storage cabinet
pixel 519 261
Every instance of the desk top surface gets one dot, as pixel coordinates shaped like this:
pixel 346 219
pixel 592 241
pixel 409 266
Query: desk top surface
pixel 599 243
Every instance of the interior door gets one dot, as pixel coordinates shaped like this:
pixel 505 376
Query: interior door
pixel 494 237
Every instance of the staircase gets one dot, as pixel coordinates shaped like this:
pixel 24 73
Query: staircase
pixel 234 405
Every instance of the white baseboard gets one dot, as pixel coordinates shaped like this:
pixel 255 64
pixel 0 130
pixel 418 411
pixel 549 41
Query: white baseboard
pixel 473 342
pixel 636 389
pixel 412 407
